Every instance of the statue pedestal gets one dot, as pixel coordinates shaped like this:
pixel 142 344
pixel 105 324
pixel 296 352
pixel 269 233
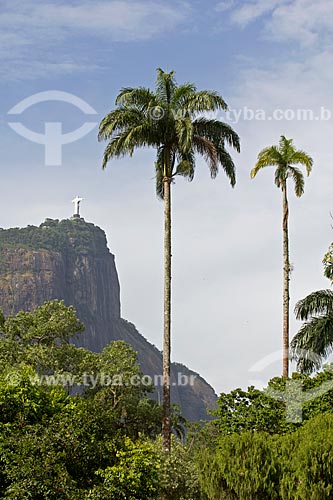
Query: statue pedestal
pixel 77 217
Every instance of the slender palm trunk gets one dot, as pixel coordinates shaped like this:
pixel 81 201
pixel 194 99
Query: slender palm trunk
pixel 167 316
pixel 286 278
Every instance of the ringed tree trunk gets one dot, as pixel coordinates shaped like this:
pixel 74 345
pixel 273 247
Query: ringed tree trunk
pixel 286 278
pixel 166 430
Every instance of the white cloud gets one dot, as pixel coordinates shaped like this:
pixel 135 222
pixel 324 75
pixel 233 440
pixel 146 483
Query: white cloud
pixel 31 31
pixel 119 20
pixel 301 83
pixel 303 21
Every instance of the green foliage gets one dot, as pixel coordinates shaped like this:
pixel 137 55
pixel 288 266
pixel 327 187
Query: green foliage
pixel 241 411
pixel 308 472
pixel 280 408
pixel 104 442
pixel 258 466
pixel 134 475
pixel 96 444
pixel 34 468
pixel 41 339
pixel 50 324
pixel 23 402
pixel 252 451
pixel 178 477
pixel 253 456
pixel 31 464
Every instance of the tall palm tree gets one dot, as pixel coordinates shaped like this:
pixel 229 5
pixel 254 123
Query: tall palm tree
pixel 172 120
pixel 284 157
pixel 314 340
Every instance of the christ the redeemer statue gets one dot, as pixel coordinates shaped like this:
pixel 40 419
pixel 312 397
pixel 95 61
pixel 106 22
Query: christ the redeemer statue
pixel 77 202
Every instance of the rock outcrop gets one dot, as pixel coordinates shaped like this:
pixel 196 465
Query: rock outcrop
pixel 70 260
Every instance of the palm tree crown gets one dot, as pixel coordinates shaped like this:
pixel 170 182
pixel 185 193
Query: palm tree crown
pixel 284 157
pixel 170 119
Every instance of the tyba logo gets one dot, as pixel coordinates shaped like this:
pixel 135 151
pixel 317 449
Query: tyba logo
pixel 53 139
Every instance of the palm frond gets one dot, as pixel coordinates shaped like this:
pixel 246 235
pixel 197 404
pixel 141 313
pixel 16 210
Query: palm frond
pixel 110 152
pixel 217 132
pixel 268 157
pixel 286 148
pixel 180 98
pixel 208 150
pixel 316 303
pixel 298 179
pixel 116 149
pixel 313 343
pixel 186 165
pixel 165 85
pixel 228 165
pixel 140 97
pixel 184 130
pixel 301 158
pixel 126 142
pixel 118 120
pixel 205 101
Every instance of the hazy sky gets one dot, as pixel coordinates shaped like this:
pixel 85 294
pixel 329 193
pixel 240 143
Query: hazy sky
pixel 268 58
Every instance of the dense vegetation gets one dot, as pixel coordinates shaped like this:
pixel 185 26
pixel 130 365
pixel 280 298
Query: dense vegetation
pixel 79 425
pixel 256 465
pixel 55 235
pixel 75 424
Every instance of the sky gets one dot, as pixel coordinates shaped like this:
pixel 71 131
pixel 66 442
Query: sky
pixel 270 60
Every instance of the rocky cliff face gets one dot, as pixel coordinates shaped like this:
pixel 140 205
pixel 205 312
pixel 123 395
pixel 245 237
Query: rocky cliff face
pixel 70 260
